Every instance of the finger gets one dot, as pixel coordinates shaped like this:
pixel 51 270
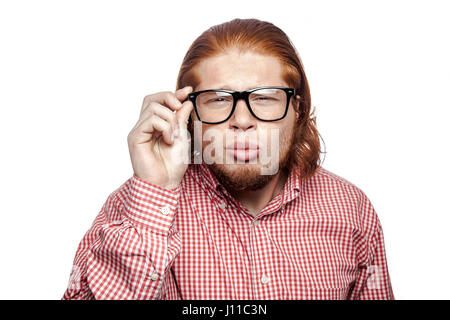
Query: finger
pixel 155 124
pixel 161 111
pixel 165 98
pixel 182 93
pixel 183 114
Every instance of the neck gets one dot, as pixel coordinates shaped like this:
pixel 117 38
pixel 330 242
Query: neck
pixel 256 200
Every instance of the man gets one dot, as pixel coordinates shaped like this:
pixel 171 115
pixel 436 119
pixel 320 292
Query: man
pixel 232 220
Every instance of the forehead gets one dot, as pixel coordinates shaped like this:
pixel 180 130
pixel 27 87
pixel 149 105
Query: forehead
pixel 236 70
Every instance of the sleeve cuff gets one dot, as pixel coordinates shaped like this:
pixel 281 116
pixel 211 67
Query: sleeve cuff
pixel 151 206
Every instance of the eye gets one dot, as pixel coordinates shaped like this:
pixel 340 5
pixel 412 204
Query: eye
pixel 216 100
pixel 262 98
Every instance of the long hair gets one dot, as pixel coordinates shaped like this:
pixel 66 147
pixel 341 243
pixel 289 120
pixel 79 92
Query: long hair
pixel 267 39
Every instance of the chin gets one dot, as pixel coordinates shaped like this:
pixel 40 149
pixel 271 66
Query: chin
pixel 242 169
pixel 243 176
pixel 240 177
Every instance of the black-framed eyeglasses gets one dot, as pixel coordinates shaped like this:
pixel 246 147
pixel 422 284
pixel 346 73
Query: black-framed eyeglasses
pixel 264 103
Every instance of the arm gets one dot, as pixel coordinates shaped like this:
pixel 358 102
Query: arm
pixel 130 246
pixel 372 281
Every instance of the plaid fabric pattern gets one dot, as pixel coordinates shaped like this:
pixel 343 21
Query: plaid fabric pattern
pixel 318 239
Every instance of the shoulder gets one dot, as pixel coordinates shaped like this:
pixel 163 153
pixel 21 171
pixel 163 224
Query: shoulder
pixel 325 182
pixel 335 195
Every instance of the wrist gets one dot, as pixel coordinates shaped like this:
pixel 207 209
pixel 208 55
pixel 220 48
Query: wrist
pixel 169 185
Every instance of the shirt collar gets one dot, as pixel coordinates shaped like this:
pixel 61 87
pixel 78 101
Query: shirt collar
pixel 291 189
pixel 292 186
pixel 208 177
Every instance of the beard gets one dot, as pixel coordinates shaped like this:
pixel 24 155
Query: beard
pixel 247 177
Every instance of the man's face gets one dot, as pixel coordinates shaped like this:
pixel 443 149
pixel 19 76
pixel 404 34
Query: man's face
pixel 247 169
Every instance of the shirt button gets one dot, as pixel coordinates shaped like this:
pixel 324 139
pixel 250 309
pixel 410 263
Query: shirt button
pixel 154 276
pixel 264 280
pixel 222 205
pixel 255 223
pixel 165 210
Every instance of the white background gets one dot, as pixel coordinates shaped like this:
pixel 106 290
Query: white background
pixel 73 75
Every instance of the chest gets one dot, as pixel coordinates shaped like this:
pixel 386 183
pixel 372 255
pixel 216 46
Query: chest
pixel 295 252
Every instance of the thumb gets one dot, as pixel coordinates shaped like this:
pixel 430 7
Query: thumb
pixel 182 115
pixel 180 153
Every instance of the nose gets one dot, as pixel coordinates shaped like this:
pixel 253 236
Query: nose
pixel 242 118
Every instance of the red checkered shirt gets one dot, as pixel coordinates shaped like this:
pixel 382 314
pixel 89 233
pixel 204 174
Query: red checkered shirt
pixel 317 239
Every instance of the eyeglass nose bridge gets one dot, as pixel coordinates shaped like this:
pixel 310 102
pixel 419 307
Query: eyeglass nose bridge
pixel 238 95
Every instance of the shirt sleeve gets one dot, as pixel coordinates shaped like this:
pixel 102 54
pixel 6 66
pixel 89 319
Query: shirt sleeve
pixel 130 247
pixel 372 281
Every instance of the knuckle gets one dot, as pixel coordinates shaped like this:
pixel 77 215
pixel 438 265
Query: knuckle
pixel 169 96
pixel 171 116
pixel 130 137
pixel 152 118
pixel 151 105
pixel 150 96
pixel 147 99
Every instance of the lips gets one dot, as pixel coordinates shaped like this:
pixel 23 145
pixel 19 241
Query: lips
pixel 243 151
pixel 243 145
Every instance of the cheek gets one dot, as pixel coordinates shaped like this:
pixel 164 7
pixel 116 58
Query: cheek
pixel 212 133
pixel 280 136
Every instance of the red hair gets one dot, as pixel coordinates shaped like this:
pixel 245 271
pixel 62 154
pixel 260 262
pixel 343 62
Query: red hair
pixel 267 39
